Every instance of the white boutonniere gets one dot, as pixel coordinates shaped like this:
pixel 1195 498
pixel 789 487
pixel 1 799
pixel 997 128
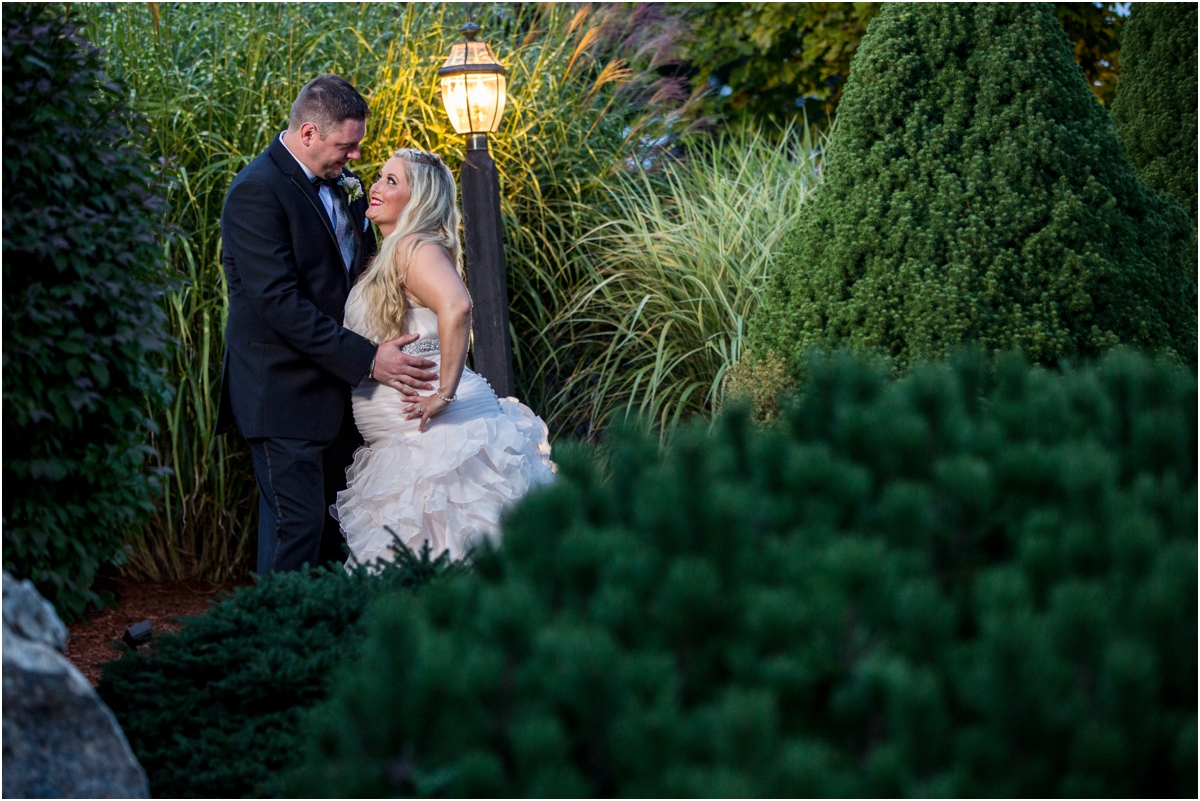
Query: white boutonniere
pixel 353 187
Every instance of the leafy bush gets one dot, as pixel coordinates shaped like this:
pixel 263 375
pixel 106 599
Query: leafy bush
pixel 215 710
pixel 1094 31
pixel 781 61
pixel 1155 107
pixel 759 384
pixel 217 81
pixel 965 582
pixel 83 327
pixel 785 61
pixel 976 191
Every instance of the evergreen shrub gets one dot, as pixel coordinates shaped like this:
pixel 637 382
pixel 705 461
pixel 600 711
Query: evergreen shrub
pixel 84 337
pixel 1155 106
pixel 214 710
pixel 961 583
pixel 976 191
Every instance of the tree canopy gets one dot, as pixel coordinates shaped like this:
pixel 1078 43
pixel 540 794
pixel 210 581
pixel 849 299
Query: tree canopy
pixel 781 60
pixel 1155 107
pixel 975 191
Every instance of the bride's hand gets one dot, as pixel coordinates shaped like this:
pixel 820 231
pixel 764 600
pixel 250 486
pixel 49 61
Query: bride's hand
pixel 424 408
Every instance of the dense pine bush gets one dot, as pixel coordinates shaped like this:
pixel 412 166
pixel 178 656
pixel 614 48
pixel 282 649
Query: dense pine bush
pixel 976 191
pixel 83 327
pixel 214 711
pixel 964 582
pixel 1155 106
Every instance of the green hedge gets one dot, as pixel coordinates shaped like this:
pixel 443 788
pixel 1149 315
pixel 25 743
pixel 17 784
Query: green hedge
pixel 975 191
pixel 215 710
pixel 1155 106
pixel 83 326
pixel 960 583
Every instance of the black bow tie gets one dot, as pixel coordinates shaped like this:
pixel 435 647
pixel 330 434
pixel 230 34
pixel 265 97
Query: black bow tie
pixel 318 181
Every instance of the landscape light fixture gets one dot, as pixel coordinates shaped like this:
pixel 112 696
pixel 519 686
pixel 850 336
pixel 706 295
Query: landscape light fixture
pixel 138 634
pixel 473 88
pixel 473 92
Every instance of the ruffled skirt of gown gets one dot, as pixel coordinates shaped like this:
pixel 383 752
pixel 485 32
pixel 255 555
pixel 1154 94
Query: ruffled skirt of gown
pixel 446 486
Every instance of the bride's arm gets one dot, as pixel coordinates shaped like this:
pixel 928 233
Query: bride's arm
pixel 435 284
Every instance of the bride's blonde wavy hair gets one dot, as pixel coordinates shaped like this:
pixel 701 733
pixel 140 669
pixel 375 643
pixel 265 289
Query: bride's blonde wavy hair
pixel 430 216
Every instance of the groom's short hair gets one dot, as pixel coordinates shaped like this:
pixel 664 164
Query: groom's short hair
pixel 327 101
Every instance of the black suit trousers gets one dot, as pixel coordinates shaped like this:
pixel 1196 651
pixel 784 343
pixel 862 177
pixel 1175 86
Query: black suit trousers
pixel 298 480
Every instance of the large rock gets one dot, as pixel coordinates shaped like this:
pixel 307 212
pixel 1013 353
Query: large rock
pixel 60 740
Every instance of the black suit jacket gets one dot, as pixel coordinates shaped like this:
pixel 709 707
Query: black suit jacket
pixel 289 363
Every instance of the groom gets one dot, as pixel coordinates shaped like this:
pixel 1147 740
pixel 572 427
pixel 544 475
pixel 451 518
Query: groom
pixel 295 238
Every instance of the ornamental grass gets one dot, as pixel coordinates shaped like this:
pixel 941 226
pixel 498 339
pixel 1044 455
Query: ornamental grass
pixel 216 82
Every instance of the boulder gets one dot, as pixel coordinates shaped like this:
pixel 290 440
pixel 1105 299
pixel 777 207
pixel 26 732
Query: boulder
pixel 60 740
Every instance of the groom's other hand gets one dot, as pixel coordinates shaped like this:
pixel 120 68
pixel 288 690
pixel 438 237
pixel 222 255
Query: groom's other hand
pixel 398 370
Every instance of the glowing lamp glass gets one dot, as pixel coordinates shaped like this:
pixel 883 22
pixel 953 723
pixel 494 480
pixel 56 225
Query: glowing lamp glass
pixel 473 86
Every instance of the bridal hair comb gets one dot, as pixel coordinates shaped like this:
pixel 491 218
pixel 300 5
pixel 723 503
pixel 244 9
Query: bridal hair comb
pixel 421 157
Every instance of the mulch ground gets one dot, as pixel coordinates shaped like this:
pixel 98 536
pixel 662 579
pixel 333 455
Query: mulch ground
pixel 159 602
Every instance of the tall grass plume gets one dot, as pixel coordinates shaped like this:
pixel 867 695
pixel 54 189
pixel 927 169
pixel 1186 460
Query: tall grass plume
pixel 216 82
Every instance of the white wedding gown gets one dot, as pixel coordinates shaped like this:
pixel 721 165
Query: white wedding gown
pixel 445 486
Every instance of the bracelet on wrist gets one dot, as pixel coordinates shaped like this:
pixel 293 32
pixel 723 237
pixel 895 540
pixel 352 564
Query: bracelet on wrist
pixel 451 399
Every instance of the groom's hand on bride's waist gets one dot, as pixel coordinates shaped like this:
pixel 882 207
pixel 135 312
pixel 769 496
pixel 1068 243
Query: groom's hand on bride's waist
pixel 399 370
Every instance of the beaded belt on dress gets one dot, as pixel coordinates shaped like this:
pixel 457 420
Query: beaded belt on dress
pixel 422 346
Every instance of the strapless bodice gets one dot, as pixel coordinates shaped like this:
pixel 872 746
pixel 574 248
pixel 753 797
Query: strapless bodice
pixel 417 319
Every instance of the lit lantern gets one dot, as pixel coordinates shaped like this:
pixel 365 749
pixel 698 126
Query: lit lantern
pixel 473 88
pixel 473 85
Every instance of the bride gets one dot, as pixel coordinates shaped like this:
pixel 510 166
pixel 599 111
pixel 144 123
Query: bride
pixel 438 467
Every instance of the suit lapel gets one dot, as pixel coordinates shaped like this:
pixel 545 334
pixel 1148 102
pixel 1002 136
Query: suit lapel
pixel 314 197
pixel 288 164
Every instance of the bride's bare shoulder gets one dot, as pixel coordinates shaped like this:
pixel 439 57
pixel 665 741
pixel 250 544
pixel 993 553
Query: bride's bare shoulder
pixel 407 240
pixel 432 278
pixel 427 255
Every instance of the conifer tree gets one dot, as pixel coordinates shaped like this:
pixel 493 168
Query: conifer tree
pixel 963 583
pixel 1155 107
pixel 976 191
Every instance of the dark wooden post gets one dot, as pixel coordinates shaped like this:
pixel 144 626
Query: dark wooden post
pixel 483 253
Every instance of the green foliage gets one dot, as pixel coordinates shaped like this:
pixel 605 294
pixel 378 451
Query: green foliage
pixel 677 267
pixel 961 583
pixel 1155 108
pixel 974 190
pixel 84 336
pixel 776 58
pixel 1095 32
pixel 215 710
pixel 217 82
pixel 760 384
pixel 779 61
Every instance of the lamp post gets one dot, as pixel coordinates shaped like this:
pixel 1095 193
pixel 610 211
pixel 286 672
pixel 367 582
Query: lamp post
pixel 473 92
